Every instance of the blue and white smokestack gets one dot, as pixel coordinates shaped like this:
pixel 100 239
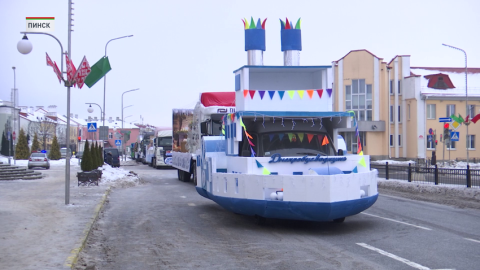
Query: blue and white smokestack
pixel 254 41
pixel 291 42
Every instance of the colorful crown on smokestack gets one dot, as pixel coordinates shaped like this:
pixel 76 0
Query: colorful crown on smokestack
pixel 291 37
pixel 254 35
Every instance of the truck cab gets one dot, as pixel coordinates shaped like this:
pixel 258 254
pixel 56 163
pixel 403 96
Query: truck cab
pixel 162 145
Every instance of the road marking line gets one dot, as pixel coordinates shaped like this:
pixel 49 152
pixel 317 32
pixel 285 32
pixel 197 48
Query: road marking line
pixel 395 257
pixel 473 240
pixel 420 227
pixel 191 204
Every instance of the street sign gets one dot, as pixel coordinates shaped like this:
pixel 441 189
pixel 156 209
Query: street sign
pixel 103 133
pixel 445 119
pixel 92 127
pixel 118 142
pixel 454 135
pixel 429 138
pixel 430 131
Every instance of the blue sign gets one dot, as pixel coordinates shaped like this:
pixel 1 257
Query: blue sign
pixel 118 142
pixel 429 138
pixel 445 119
pixel 92 127
pixel 454 135
pixel 430 131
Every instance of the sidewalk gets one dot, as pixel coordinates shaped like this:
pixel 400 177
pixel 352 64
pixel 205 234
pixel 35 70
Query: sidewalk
pixel 38 231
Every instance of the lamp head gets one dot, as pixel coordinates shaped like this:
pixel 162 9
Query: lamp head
pixel 24 46
pixel 90 109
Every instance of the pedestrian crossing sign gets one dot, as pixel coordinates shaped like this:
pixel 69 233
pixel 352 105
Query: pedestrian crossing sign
pixel 92 127
pixel 454 136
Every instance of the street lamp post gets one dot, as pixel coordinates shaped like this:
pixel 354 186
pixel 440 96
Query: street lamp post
pixel 466 95
pixel 90 110
pixel 24 46
pixel 105 77
pixel 123 151
pixel 15 104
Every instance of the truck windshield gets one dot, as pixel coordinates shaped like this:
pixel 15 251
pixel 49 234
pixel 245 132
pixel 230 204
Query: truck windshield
pixel 164 141
pixel 296 144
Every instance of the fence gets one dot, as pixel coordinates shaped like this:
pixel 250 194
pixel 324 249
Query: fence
pixel 433 175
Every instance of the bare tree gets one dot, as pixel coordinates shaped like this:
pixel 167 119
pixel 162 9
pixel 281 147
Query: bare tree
pixel 62 134
pixel 45 129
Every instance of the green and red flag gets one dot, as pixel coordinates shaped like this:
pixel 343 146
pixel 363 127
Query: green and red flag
pixel 99 69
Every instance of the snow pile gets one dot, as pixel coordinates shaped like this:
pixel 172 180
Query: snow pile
pixel 118 177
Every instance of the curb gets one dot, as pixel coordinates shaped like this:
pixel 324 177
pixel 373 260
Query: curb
pixel 71 261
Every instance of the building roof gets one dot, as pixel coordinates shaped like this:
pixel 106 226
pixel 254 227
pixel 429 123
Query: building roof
pixel 358 51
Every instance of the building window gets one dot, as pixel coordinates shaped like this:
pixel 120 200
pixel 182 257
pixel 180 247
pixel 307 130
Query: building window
pixel 451 145
pixel 391 140
pixel 391 87
pixel 400 140
pixel 431 111
pixel 110 135
pixel 450 110
pixel 399 88
pixel 471 142
pixel 399 114
pixel 391 114
pixel 471 111
pixel 352 141
pixel 358 98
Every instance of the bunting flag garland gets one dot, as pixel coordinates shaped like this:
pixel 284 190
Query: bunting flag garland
pixel 362 162
pixel 320 138
pixel 310 93
pixel 290 135
pixel 355 170
pixel 271 136
pixel 271 93
pixel 265 171
pixel 320 92
pixel 309 136
pixel 246 134
pixel 281 93
pixel 258 164
pixel 325 140
pixel 300 136
pixel 280 136
pixel 291 93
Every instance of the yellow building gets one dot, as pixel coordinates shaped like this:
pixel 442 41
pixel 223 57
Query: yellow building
pixel 398 107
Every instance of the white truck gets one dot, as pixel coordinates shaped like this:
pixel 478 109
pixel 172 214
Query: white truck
pixel 206 121
pixel 162 146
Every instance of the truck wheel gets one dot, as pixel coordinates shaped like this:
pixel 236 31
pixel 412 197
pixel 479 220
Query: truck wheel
pixel 186 176
pixel 180 175
pixel 154 163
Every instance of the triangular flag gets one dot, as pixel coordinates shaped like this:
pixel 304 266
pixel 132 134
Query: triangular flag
pixel 263 24
pixel 362 162
pixel 245 93
pixel 252 24
pixel 320 92
pixel 280 135
pixel 281 93
pixel 250 142
pixel 466 119
pixel 246 24
pixel 454 118
pixel 325 141
pixel 476 118
pixel 259 24
pixel 241 123
pixel 253 152
pixel 297 26
pixel 252 93
pixel 258 164
pixel 310 93
pixel 291 93
pixel 287 24
pixel 248 135
pixel 460 118
pixel 232 117
pixel 271 136
pixel 300 136
pixel 271 93
pixel 320 138
pixel 290 136
pixel 309 136
pixel 261 94
pixel 265 171
pixel 361 153
pixel 355 170
pixel 300 93
pixel 329 91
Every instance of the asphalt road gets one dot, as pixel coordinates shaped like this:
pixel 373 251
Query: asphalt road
pixel 165 224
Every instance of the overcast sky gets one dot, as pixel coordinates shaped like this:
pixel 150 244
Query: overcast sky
pixel 182 48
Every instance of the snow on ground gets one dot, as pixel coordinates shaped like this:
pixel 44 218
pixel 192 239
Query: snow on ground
pixel 115 177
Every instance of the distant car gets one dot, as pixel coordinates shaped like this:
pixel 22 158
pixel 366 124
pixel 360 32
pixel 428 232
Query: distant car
pixel 79 154
pixel 115 160
pixel 63 152
pixel 39 160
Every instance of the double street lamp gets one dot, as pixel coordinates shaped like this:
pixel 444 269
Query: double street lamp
pixel 105 77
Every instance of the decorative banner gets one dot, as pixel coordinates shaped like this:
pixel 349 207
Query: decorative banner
pixel 362 162
pixel 281 93
pixel 329 91
pixel 261 94
pixel 325 140
pixel 291 93
pixel 309 136
pixel 83 71
pixel 55 68
pixel 355 170
pixel 258 164
pixel 271 93
pixel 71 70
pixel 310 93
pixel 245 93
pixel 300 135
pixel 252 93
pixel 476 118
pixel 300 93
pixel 265 171
pixel 290 135
pixel 320 92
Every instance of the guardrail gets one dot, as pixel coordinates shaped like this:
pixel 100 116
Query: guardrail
pixel 434 175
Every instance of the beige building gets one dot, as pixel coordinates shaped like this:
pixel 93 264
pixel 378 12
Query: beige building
pixel 398 107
